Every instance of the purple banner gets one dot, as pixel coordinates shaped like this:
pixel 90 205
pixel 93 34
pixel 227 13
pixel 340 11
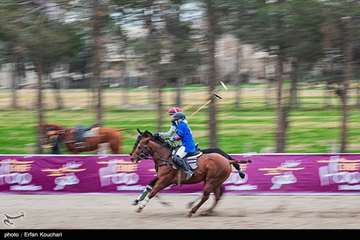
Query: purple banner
pixel 266 174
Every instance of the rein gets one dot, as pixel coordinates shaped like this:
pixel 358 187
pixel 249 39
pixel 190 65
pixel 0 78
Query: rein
pixel 146 151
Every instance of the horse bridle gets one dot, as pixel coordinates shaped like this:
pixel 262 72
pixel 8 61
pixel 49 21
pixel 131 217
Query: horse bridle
pixel 145 153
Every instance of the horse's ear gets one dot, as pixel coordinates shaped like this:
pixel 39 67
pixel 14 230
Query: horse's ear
pixel 139 131
pixel 148 133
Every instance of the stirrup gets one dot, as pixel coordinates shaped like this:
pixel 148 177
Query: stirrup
pixel 188 174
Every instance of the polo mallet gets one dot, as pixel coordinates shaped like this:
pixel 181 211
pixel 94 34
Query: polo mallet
pixel 204 105
pixel 222 84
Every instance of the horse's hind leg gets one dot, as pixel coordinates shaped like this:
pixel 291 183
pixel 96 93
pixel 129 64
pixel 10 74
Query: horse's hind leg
pixel 206 194
pixel 162 202
pixel 115 148
pixel 190 204
pixel 218 193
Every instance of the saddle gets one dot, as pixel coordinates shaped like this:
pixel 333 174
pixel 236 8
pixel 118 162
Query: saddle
pixel 82 132
pixel 191 159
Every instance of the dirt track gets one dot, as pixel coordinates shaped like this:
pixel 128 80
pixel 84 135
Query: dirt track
pixel 115 212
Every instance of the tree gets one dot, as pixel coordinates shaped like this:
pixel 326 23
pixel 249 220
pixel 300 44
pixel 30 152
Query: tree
pixel 98 13
pixel 12 51
pixel 211 37
pixel 167 49
pixel 45 43
pixel 343 93
pixel 276 27
pixel 183 57
pixel 340 38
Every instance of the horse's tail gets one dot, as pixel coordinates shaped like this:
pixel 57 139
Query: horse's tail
pixel 237 166
pixel 232 161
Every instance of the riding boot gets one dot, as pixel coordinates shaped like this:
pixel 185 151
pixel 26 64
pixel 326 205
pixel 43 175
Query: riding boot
pixel 184 165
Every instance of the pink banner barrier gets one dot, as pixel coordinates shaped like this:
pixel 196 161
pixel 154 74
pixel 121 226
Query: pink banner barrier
pixel 267 174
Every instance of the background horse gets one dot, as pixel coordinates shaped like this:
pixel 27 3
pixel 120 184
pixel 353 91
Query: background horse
pixel 213 169
pixel 55 134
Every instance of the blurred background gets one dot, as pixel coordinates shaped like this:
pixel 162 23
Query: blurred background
pixel 287 71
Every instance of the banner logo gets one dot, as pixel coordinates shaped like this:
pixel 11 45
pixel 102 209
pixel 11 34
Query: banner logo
pixel 65 175
pixel 16 173
pixel 340 171
pixel 283 174
pixel 119 172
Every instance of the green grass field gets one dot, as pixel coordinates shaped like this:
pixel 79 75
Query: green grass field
pixel 249 129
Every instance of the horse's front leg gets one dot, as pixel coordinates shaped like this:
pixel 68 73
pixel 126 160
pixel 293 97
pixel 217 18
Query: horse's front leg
pixel 160 184
pixel 146 191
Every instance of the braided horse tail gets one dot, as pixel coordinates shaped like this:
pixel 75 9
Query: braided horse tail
pixel 231 160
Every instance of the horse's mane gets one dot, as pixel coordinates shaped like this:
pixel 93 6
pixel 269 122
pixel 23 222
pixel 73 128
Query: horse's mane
pixel 163 142
pixel 158 139
pixel 52 127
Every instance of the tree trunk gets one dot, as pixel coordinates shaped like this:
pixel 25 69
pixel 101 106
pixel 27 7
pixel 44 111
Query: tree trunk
pixel 14 84
pixel 343 93
pixel 344 119
pixel 125 93
pixel 179 83
pixel 212 22
pixel 39 109
pixel 294 99
pixel 358 94
pixel 327 95
pixel 237 78
pixel 153 37
pixel 57 93
pixel 282 111
pixel 97 59
pixel 268 89
pixel 159 106
pixel 268 93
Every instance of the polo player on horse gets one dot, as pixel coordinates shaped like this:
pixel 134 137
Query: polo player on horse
pixel 182 151
pixel 180 130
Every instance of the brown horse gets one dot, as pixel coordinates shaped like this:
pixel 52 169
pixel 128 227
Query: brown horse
pixel 54 134
pixel 213 169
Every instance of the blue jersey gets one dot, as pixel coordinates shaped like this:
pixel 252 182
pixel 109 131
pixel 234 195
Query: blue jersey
pixel 184 132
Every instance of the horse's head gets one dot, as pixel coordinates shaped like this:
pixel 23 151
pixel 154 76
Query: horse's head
pixel 52 134
pixel 140 149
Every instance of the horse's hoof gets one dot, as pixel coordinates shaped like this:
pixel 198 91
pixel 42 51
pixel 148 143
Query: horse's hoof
pixel 135 202
pixel 190 204
pixel 206 213
pixel 139 210
pixel 190 214
pixel 165 203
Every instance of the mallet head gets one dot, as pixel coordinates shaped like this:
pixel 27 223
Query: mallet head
pixel 217 96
